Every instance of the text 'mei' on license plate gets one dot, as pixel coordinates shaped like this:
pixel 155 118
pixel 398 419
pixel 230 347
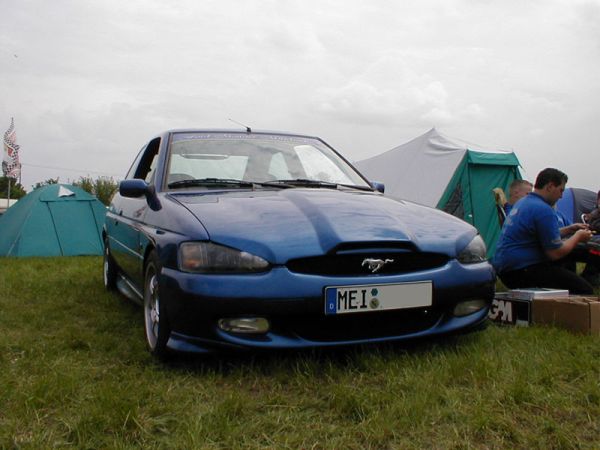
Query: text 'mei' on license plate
pixel 366 298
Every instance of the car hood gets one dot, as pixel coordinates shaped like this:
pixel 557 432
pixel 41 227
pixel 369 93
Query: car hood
pixel 291 223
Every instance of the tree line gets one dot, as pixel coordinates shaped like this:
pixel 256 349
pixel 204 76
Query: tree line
pixel 102 187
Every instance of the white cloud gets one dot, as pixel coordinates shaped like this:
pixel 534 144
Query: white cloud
pixel 93 80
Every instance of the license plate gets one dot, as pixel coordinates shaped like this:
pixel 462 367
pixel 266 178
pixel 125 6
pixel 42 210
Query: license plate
pixel 379 297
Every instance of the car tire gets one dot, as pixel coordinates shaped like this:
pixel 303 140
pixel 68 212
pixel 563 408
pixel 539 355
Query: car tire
pixel 109 269
pixel 156 323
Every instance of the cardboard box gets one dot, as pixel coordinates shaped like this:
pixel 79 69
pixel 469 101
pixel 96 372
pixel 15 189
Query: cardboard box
pixel 510 311
pixel 575 313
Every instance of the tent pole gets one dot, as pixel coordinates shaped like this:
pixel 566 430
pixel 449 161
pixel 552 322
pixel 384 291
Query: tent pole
pixel 8 194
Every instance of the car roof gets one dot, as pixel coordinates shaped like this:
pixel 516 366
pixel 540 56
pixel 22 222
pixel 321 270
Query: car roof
pixel 235 131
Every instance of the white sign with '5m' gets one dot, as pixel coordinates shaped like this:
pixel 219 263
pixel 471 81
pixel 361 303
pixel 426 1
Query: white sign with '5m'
pixel 509 312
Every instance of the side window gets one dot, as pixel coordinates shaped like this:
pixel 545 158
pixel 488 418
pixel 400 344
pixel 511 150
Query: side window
pixel 147 165
pixel 136 162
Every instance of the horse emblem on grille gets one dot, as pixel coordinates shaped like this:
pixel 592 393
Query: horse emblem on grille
pixel 375 265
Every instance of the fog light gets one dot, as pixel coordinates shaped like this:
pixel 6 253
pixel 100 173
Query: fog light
pixel 245 325
pixel 469 307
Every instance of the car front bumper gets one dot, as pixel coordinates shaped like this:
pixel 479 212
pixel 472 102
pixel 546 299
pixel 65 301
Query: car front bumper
pixel 294 304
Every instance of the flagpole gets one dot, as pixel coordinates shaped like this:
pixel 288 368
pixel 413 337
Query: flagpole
pixel 8 194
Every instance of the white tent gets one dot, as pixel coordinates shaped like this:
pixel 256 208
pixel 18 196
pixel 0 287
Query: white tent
pixel 448 174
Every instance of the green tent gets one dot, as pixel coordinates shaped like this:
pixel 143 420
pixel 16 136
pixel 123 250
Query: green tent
pixel 54 220
pixel 448 174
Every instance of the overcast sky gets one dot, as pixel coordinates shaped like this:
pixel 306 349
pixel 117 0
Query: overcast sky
pixel 89 82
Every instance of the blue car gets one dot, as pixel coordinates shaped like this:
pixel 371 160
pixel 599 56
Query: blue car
pixel 263 240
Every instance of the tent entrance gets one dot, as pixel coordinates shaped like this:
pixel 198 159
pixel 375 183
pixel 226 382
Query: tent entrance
pixel 469 195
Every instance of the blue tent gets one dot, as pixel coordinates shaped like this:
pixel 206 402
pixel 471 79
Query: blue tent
pixel 54 220
pixel 575 202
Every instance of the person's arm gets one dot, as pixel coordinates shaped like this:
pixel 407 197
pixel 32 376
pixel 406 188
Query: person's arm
pixel 582 235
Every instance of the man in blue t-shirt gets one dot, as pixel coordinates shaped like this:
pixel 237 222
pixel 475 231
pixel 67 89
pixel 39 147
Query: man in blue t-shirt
pixel 530 251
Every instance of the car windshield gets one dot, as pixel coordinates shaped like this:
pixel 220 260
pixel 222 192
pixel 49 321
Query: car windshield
pixel 217 159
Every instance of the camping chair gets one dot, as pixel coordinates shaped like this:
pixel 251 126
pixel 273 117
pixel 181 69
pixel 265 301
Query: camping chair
pixel 500 199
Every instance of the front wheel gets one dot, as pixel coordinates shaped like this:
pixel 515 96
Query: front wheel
pixel 156 323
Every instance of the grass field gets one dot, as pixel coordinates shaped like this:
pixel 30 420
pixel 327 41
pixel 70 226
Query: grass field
pixel 74 373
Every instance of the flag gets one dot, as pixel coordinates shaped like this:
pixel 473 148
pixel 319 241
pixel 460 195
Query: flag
pixel 11 167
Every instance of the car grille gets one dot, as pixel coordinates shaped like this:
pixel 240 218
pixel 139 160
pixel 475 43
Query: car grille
pixel 349 327
pixel 352 264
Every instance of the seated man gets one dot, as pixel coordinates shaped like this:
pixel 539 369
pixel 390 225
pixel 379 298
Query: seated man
pixel 589 253
pixel 581 253
pixel 530 251
pixel 516 191
pixel 593 217
pixel 519 189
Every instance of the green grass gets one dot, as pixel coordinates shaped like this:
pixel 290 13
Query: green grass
pixel 74 373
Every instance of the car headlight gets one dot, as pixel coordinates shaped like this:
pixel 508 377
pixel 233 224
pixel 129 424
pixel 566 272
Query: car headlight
pixel 475 252
pixel 206 257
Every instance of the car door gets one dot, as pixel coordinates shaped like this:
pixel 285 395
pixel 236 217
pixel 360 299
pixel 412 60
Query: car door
pixel 125 219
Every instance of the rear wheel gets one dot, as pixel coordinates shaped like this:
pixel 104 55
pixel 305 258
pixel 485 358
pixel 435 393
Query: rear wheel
pixel 109 269
pixel 156 323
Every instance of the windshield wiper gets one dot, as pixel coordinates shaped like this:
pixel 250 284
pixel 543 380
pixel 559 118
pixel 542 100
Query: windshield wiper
pixel 225 182
pixel 360 188
pixel 303 182
pixel 282 184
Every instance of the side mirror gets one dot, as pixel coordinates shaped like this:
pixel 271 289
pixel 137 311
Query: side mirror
pixel 136 188
pixel 379 187
pixel 133 188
